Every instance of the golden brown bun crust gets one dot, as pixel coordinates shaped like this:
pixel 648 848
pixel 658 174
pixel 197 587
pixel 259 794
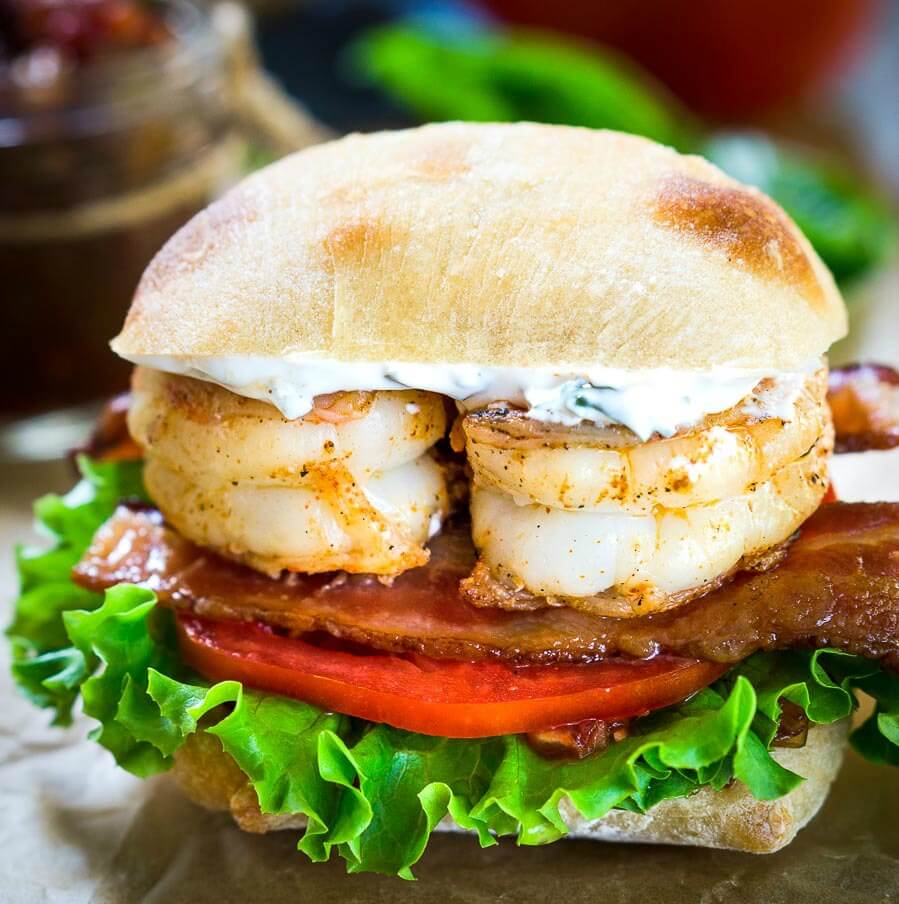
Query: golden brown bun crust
pixel 517 245
pixel 732 819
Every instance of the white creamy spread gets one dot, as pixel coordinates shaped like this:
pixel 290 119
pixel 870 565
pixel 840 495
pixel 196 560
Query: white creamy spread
pixel 659 400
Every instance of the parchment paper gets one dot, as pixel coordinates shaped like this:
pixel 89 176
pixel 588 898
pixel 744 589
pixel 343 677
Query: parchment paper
pixel 75 828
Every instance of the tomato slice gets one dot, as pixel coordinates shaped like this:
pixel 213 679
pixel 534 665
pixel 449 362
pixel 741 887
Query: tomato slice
pixel 438 697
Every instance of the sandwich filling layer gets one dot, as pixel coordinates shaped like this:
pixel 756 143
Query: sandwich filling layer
pixel 585 515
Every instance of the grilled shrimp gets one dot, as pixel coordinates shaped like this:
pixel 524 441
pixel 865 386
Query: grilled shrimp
pixel 329 523
pixel 596 469
pixel 644 562
pixel 201 428
pixel 350 486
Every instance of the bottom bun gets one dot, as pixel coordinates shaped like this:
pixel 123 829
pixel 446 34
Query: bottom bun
pixel 732 818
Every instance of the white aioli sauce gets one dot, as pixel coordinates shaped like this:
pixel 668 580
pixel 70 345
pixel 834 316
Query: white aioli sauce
pixel 648 401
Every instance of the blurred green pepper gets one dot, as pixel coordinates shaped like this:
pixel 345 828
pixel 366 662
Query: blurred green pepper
pixel 513 75
pixel 506 76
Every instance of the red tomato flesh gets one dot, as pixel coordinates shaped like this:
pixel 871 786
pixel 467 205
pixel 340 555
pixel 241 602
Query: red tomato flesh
pixel 438 697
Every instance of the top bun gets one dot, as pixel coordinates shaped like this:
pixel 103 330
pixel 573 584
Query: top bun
pixel 507 245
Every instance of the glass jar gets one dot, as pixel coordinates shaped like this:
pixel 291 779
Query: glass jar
pixel 90 187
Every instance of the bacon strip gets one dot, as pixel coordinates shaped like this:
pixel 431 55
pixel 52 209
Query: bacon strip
pixel 837 586
pixel 109 439
pixel 864 400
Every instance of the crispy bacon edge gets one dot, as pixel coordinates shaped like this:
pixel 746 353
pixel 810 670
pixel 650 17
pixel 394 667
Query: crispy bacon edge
pixel 864 402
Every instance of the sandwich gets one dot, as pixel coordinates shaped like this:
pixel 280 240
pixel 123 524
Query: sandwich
pixel 475 477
